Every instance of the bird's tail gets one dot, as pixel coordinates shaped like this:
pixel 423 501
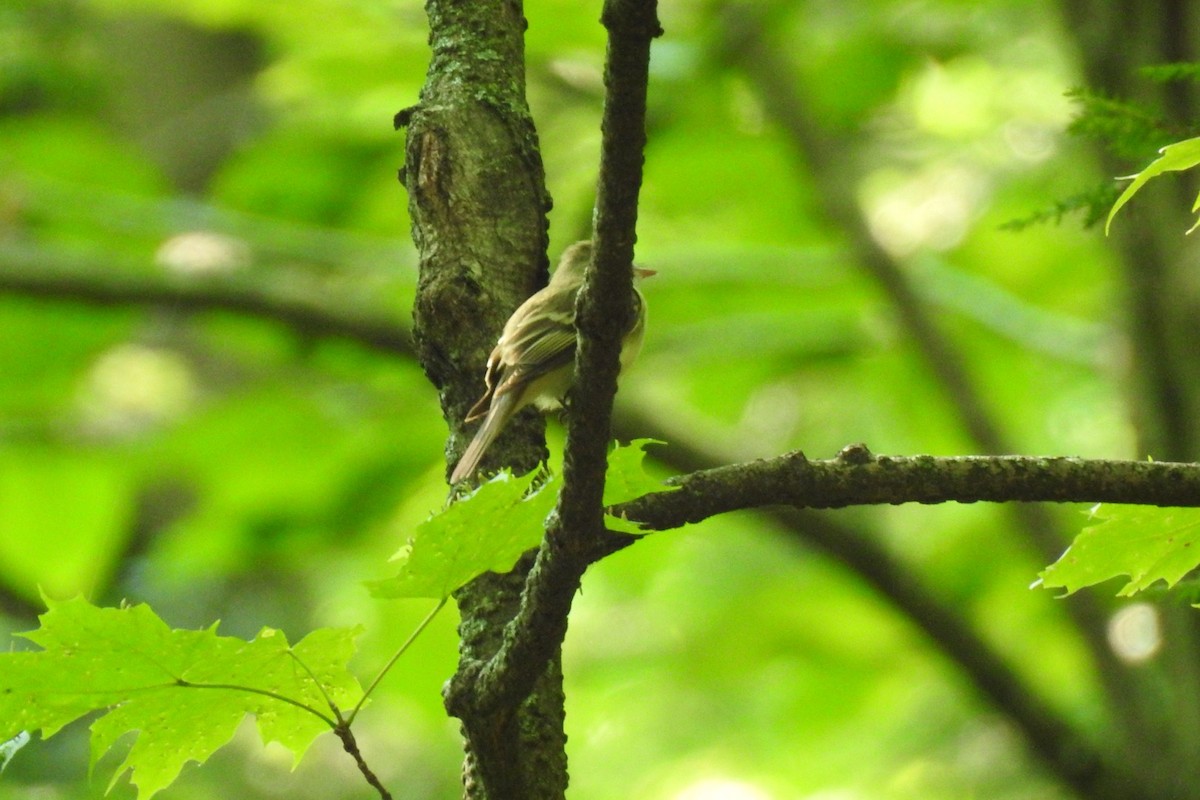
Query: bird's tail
pixel 501 409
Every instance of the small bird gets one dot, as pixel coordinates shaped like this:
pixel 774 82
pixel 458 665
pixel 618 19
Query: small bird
pixel 534 359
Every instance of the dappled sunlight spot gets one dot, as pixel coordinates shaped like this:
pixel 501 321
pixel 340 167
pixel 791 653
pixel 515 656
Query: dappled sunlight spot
pixel 132 388
pixel 955 99
pixel 202 253
pixel 933 209
pixel 721 789
pixel 1030 142
pixel 771 414
pixel 1135 633
pixel 920 776
pixel 984 744
pixel 1087 420
pixel 970 97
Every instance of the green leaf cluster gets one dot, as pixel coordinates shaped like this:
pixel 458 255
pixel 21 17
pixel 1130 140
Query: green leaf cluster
pixel 184 692
pixel 490 528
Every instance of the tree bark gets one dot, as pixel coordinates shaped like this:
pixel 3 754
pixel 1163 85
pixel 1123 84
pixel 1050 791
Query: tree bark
pixel 478 204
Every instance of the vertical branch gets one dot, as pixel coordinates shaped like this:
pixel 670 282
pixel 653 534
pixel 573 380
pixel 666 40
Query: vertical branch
pixel 474 180
pixel 478 205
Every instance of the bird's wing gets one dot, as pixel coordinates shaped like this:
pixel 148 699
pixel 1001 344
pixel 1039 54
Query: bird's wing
pixel 543 341
pixel 545 352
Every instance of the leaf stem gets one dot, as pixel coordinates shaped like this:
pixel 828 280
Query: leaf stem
pixel 395 657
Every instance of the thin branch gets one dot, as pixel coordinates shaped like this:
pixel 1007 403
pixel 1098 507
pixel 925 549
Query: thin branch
pixel 856 477
pixel 1050 736
pixel 88 281
pixel 350 745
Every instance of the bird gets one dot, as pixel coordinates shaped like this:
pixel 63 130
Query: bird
pixel 534 358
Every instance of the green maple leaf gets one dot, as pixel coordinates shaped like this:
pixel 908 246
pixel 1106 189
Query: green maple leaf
pixel 1144 543
pixel 627 480
pixel 489 529
pixel 1173 158
pixel 183 691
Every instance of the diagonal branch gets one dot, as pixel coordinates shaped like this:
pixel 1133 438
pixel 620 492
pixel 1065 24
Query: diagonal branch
pixel 1077 760
pixel 1046 731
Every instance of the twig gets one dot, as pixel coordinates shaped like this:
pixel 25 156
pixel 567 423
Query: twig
pixel 1048 733
pixel 350 745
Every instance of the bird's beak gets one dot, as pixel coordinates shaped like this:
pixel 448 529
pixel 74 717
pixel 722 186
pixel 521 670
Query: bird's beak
pixel 638 272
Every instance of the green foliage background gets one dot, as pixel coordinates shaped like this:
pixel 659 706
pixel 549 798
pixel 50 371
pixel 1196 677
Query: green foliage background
pixel 219 467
